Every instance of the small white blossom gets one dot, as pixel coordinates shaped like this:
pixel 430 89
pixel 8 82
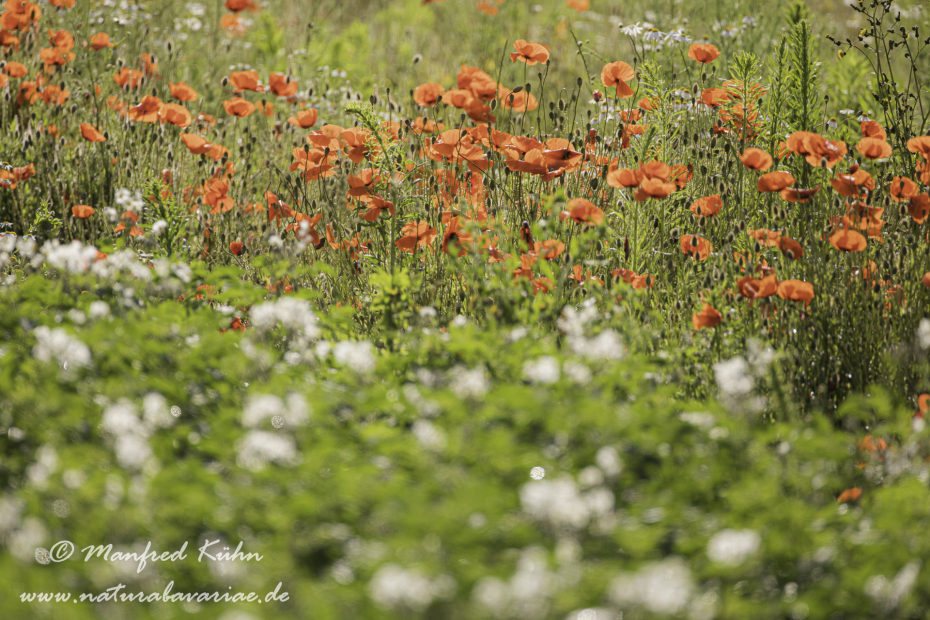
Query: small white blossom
pixel 56 345
pixel 663 588
pixel 466 383
pixel 543 370
pixel 357 355
pixel 259 448
pixel 733 547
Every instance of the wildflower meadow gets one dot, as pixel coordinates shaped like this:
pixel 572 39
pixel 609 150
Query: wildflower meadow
pixel 464 309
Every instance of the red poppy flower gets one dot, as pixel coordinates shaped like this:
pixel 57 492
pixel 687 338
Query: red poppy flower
pixel 428 94
pixel 707 317
pixel 708 206
pixel 874 148
pixel 703 53
pixel 698 248
pixel 239 107
pixel 796 290
pixel 775 181
pixel 756 159
pixel 100 41
pixel 618 74
pixel 82 212
pixel 183 92
pixel 530 53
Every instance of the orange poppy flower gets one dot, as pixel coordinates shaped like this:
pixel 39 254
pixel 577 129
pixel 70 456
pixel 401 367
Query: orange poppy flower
pixel 61 40
pixel 175 114
pixel 455 235
pixel 703 53
pixel 477 82
pixel 775 181
pixel 54 95
pixel 415 234
pixel 147 110
pixel 183 92
pixel 654 187
pixel 282 85
pixel 15 69
pixel 707 317
pixel 426 95
pixel 796 290
pixel 715 97
pixel 131 218
pixel 149 66
pixel 624 177
pixel 518 102
pixel 708 206
pixel 919 145
pixel 245 80
pixel 82 212
pixel 530 53
pixel 582 211
pixel 753 289
pixel 618 74
pixel 304 119
pixel 197 145
pixel 128 76
pixel 919 207
pixel 696 247
pixel 798 195
pixel 99 41
pixel 52 56
pixel 487 8
pixel 849 495
pixel 579 5
pixel 902 188
pixel 376 205
pixel 239 107
pixel 791 248
pixel 848 240
pixel 874 148
pixel 756 159
pixel 871 129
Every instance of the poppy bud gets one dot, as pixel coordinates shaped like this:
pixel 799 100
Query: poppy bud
pixel 493 104
pixel 528 87
pixel 675 233
pixel 694 241
pixel 224 81
pixel 561 105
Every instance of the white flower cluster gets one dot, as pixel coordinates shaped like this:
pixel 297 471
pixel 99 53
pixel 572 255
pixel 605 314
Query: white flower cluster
pixel 259 448
pixel 923 334
pixel 132 433
pixel 736 378
pixel 429 435
pixel 127 200
pixel 473 383
pixel 397 588
pixel 293 411
pixel 542 370
pixel 526 595
pixel 294 314
pixel 733 547
pixel 45 465
pixel 359 355
pixel 562 505
pixel 887 595
pixel 664 587
pixel 604 346
pixel 58 346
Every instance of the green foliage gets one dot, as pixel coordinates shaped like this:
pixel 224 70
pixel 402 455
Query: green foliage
pixel 802 79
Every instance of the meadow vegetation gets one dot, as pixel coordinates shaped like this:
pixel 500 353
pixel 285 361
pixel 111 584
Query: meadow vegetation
pixel 468 309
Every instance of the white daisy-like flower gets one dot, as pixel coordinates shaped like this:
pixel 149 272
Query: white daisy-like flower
pixel 633 30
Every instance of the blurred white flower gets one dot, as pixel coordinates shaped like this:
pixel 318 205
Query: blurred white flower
pixel 923 334
pixel 429 436
pixel 663 588
pixel 466 383
pixel 259 448
pixel 98 309
pixel 56 345
pixel 397 588
pixel 733 547
pixel 543 370
pixel 260 407
pixel 356 354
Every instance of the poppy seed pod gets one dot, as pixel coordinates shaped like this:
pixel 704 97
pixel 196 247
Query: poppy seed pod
pixel 372 100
